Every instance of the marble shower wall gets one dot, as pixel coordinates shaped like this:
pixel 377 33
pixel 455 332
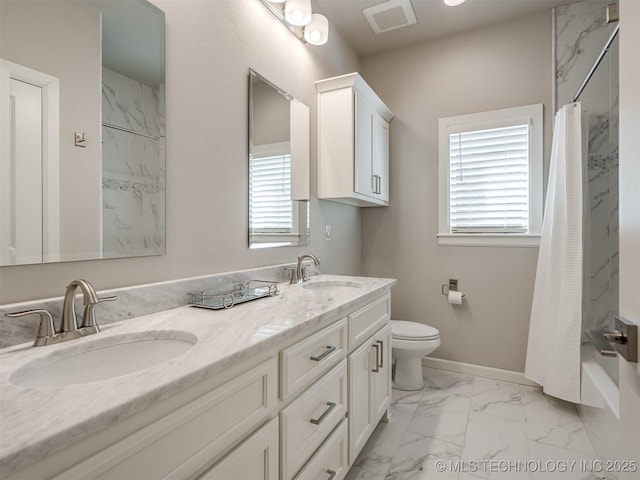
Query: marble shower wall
pixel 133 167
pixel 580 33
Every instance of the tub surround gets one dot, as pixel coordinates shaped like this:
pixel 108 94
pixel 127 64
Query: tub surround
pixel 32 429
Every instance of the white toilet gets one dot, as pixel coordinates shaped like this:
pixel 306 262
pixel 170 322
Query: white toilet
pixel 410 341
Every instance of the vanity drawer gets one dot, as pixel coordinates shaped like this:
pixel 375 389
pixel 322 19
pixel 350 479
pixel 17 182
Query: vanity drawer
pixel 307 421
pixel 308 359
pixel 368 320
pixel 330 461
pixel 255 458
pixel 186 442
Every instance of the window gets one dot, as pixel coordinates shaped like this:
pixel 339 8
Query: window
pixel 274 219
pixel 271 205
pixel 491 178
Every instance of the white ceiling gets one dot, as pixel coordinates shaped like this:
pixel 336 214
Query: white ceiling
pixel 435 19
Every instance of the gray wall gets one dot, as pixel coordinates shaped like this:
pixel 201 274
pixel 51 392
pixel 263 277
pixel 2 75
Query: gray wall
pixel 504 65
pixel 210 47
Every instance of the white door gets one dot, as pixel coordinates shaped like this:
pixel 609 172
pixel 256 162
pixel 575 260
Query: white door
pixel 629 172
pixel 21 175
pixel 360 364
pixel 381 375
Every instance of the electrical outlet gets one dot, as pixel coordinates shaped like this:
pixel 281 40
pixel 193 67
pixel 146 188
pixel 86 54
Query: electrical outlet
pixel 327 232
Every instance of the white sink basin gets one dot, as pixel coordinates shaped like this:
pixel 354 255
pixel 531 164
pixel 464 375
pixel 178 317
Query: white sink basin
pixel 330 285
pixel 103 358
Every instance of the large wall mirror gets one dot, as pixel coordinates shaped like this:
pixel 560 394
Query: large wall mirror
pixel 82 129
pixel 278 166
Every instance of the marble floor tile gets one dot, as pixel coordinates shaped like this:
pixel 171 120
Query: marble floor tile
pixel 549 462
pixel 384 442
pixel 357 473
pixel 463 427
pixel 448 427
pixel 406 401
pixel 446 393
pixel 554 422
pixel 419 457
pixel 494 443
pixel 501 399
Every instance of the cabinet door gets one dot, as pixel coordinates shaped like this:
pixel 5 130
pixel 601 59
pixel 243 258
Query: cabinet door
pixel 360 364
pixel 364 181
pixel 254 459
pixel 380 157
pixel 381 374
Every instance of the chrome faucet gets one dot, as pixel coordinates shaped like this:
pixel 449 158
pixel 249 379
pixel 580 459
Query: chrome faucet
pixel 298 275
pixel 69 330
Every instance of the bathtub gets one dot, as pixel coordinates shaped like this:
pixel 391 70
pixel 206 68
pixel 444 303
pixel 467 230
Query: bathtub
pixel 600 399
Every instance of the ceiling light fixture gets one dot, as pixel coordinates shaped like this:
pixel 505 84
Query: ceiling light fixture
pixel 297 12
pixel 453 3
pixel 317 32
pixel 298 17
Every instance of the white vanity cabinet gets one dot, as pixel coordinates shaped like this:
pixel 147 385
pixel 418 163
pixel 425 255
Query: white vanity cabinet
pixel 353 142
pixel 302 409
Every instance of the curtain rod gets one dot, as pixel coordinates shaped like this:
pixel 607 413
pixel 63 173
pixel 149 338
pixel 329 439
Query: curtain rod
pixel 604 51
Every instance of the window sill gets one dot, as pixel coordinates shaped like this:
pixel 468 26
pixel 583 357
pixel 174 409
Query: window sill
pixel 489 240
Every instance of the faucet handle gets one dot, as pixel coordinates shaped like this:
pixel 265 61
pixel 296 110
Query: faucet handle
pixel 294 274
pixel 107 299
pixel 46 329
pixel 89 323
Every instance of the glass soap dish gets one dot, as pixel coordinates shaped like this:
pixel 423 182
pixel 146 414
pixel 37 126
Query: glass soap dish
pixel 228 296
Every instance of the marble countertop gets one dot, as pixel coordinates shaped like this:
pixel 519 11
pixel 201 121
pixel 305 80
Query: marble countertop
pixel 35 422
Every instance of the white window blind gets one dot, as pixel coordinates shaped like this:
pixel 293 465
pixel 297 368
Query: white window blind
pixel 270 206
pixel 489 180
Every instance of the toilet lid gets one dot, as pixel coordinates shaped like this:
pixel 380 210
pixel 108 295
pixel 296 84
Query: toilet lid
pixel 403 330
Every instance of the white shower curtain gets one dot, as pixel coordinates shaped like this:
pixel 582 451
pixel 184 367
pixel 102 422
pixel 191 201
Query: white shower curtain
pixel 553 350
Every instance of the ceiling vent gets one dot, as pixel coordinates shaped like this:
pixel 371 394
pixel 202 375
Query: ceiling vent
pixel 390 15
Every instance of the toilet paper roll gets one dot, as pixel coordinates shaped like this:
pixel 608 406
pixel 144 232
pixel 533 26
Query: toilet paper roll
pixel 455 298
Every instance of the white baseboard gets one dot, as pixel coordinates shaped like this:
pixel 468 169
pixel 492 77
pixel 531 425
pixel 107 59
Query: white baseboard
pixel 479 370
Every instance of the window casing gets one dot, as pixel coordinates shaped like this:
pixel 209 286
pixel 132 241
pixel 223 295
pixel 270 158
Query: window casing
pixel 490 177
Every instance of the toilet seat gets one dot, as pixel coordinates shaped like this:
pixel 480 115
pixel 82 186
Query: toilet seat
pixel 412 331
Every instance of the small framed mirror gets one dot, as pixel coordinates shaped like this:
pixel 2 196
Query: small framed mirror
pixel 278 166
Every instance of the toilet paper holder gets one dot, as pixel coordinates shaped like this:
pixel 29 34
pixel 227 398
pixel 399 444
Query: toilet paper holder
pixel 452 286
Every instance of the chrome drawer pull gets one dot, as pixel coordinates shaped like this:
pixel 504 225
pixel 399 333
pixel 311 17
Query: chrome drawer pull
pixel 330 349
pixel 381 353
pixel 317 421
pixel 376 369
pixel 332 474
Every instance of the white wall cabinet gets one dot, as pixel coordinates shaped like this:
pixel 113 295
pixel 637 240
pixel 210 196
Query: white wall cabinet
pixel 353 142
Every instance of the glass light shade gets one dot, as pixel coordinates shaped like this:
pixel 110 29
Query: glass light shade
pixel 317 32
pixel 453 3
pixel 298 12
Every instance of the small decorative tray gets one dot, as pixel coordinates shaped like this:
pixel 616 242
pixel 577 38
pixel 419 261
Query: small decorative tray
pixel 227 297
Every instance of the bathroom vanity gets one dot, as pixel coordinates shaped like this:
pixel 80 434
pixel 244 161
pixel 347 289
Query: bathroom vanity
pixel 285 387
